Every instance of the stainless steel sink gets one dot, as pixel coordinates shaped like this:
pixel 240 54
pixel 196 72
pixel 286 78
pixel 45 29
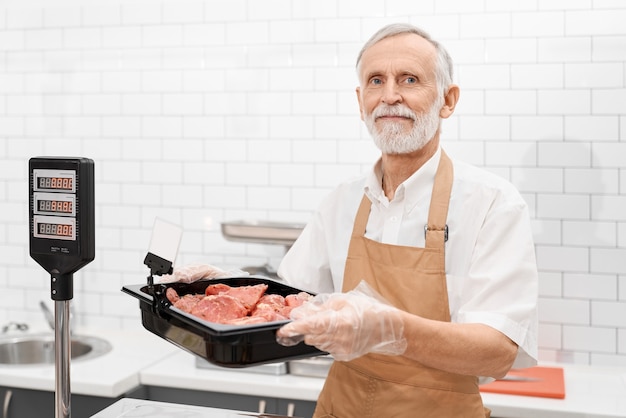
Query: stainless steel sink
pixel 39 349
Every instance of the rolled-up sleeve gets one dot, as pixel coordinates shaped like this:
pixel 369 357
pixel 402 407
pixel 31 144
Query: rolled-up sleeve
pixel 500 288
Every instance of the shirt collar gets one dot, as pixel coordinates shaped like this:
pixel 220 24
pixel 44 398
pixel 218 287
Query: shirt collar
pixel 373 184
pixel 413 188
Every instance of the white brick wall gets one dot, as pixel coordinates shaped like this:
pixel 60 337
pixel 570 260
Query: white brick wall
pixel 201 111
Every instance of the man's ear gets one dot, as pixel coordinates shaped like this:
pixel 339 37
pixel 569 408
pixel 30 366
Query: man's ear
pixel 450 100
pixel 358 98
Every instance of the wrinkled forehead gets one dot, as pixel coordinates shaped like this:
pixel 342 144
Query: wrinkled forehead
pixel 403 52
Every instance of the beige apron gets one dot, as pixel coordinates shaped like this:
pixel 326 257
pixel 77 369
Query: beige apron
pixel 412 279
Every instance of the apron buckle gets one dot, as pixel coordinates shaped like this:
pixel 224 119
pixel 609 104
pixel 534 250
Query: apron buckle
pixel 445 231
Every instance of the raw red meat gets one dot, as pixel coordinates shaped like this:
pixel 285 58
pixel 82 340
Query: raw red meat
pixel 187 302
pixel 293 301
pixel 270 307
pixel 272 299
pixel 243 305
pixel 172 295
pixel 184 303
pixel 216 289
pixel 219 308
pixel 297 299
pixel 248 295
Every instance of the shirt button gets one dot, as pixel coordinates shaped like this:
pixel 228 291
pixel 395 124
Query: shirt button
pixel 393 219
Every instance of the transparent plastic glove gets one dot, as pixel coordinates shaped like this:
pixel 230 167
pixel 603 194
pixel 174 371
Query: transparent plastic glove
pixel 347 325
pixel 194 272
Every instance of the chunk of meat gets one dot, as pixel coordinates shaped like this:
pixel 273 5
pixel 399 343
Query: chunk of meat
pixel 248 295
pixel 269 313
pixel 219 308
pixel 270 307
pixel 171 294
pixel 185 303
pixel 242 305
pixel 272 299
pixel 297 299
pixel 216 289
pixel 293 301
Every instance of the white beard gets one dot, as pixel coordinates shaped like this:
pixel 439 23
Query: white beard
pixel 391 139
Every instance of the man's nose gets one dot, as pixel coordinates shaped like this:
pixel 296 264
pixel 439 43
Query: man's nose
pixel 391 93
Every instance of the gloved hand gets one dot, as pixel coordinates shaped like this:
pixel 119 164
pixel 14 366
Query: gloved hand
pixel 194 272
pixel 347 325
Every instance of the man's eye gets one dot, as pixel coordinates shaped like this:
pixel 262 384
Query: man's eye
pixel 410 80
pixel 376 81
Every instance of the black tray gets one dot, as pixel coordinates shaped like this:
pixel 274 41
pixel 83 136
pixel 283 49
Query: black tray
pixel 232 346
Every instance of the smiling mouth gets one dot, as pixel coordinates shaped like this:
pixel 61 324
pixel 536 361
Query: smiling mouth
pixel 393 118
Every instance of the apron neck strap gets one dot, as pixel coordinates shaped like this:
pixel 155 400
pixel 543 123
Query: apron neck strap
pixel 362 215
pixel 436 230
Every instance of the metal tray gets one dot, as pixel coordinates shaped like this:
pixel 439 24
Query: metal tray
pixel 264 232
pixel 312 367
pixel 224 345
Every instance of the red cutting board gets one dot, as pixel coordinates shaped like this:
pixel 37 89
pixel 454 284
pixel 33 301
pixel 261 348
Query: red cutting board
pixel 551 383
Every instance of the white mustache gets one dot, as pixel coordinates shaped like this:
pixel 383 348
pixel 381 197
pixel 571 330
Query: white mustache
pixel 397 110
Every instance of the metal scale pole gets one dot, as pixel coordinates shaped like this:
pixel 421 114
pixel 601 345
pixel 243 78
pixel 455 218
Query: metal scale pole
pixel 62 292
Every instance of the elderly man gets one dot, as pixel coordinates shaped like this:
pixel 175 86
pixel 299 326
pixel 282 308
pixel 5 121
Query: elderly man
pixel 424 267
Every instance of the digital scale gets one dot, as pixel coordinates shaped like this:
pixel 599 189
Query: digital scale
pixel 62 240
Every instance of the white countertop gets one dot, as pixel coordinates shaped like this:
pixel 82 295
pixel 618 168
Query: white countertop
pixel 179 371
pixel 110 375
pixel 140 357
pixel 127 408
pixel 591 392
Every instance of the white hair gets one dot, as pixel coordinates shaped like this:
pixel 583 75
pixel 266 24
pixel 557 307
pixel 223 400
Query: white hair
pixel 443 65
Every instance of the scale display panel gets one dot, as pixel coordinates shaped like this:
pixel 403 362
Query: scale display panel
pixel 62 216
pixel 54 204
pixel 54 180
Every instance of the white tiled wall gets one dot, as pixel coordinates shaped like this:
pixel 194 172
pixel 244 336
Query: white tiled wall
pixel 204 111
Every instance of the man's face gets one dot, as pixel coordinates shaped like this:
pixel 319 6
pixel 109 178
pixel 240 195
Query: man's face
pixel 398 95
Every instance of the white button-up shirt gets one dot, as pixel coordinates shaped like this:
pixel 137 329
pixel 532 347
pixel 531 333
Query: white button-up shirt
pixel 490 260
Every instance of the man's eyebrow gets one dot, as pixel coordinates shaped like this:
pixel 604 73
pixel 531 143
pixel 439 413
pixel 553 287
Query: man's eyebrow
pixel 372 74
